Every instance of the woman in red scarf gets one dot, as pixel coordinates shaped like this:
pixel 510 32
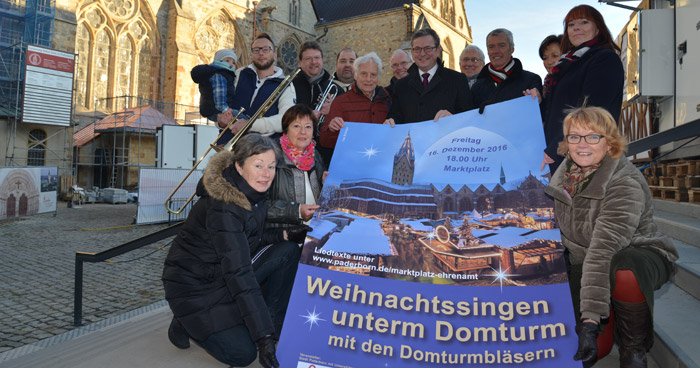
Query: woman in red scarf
pixel 589 69
pixel 299 173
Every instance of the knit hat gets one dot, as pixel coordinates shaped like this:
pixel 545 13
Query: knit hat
pixel 224 53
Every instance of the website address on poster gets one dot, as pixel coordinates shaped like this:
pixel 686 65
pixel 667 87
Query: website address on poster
pixel 397 271
pixel 487 357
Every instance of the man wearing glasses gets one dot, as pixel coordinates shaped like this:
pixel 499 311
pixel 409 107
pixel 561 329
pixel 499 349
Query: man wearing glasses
pixel 255 83
pixel 430 91
pixel 399 62
pixel 503 78
pixel 311 83
pixel 471 61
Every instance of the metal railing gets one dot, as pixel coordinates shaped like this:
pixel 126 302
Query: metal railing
pixel 81 257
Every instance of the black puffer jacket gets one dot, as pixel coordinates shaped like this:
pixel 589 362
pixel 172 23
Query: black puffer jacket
pixel 208 276
pixel 200 75
pixel 288 186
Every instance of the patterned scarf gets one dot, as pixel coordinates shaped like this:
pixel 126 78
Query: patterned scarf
pixel 303 159
pixel 499 75
pixel 564 63
pixel 576 179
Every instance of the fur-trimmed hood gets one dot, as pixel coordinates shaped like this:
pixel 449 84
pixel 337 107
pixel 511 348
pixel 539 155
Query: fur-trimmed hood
pixel 217 186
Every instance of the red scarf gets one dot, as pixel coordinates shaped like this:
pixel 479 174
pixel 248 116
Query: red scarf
pixel 303 159
pixel 565 62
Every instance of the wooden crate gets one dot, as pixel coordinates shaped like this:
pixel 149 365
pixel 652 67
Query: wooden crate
pixel 655 191
pixel 679 181
pixel 694 195
pixel 692 181
pixel 666 181
pixel 683 168
pixel 678 195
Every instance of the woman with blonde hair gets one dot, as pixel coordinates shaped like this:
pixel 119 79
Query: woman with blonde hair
pixel 616 257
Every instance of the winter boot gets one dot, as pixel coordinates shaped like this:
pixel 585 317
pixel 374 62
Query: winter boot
pixel 177 335
pixel 633 326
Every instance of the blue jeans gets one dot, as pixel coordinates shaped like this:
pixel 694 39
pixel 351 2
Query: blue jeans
pixel 274 269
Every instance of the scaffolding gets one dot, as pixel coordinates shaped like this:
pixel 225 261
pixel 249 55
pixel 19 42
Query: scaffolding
pixel 111 151
pixel 25 23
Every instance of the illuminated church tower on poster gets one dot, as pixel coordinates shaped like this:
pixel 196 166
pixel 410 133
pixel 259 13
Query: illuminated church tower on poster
pixel 404 163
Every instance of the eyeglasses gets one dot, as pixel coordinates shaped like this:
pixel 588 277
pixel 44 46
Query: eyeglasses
pixel 590 139
pixel 427 49
pixel 264 50
pixel 403 64
pixel 473 60
pixel 314 58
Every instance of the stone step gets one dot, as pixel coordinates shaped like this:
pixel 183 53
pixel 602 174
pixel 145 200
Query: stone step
pixel 681 208
pixel 677 328
pixel 679 226
pixel 687 275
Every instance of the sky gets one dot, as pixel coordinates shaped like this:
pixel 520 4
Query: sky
pixel 533 20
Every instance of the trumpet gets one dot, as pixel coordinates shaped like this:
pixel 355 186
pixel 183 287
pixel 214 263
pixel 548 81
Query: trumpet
pixel 232 142
pixel 326 94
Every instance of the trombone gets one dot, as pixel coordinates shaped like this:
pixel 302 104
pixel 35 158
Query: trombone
pixel 326 94
pixel 231 143
pixel 217 149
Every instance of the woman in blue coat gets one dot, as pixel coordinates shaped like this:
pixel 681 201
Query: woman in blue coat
pixel 589 70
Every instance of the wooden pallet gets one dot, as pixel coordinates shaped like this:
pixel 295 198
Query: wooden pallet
pixel 678 195
pixel 682 168
pixel 694 195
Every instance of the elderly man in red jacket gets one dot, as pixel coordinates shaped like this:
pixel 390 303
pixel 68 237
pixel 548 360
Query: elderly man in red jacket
pixel 365 102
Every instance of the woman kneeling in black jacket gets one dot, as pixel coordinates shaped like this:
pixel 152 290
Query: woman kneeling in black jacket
pixel 214 268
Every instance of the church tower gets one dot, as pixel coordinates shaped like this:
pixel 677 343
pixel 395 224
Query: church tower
pixel 404 163
pixel 503 175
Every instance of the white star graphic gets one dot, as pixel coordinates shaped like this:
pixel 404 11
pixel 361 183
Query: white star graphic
pixel 369 152
pixel 500 275
pixel 431 235
pixel 312 318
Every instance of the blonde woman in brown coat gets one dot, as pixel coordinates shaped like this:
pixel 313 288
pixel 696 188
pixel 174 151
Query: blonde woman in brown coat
pixel 615 253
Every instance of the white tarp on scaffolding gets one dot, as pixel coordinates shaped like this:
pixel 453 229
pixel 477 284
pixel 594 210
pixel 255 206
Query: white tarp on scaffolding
pixel 155 185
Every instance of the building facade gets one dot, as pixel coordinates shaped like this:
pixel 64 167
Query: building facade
pixel 132 53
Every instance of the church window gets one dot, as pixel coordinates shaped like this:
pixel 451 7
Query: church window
pixel 124 59
pixel 289 53
pixel 447 11
pixel 112 66
pixel 100 69
pixel 145 70
pixel 294 13
pixel 83 39
pixel 37 148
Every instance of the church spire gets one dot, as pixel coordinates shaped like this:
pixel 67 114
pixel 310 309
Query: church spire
pixel 404 163
pixel 503 175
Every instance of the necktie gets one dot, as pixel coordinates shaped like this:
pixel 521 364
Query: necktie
pixel 425 79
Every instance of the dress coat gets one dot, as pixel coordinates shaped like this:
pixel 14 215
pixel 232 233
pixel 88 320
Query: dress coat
pixel 613 212
pixel 354 106
pixel 447 90
pixel 208 275
pixel 597 76
pixel 486 91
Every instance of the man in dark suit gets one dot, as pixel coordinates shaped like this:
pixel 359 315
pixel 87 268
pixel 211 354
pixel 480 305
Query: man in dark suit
pixel 430 91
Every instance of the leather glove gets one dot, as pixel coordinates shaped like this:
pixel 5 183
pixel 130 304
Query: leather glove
pixel 587 344
pixel 297 233
pixel 266 352
pixel 482 107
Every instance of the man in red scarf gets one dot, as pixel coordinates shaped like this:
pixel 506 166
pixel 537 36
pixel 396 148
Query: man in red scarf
pixel 503 78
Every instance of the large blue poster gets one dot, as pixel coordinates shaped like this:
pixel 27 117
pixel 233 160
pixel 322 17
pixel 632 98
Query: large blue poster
pixel 434 246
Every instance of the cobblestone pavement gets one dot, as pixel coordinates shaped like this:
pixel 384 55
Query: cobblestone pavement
pixel 38 266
